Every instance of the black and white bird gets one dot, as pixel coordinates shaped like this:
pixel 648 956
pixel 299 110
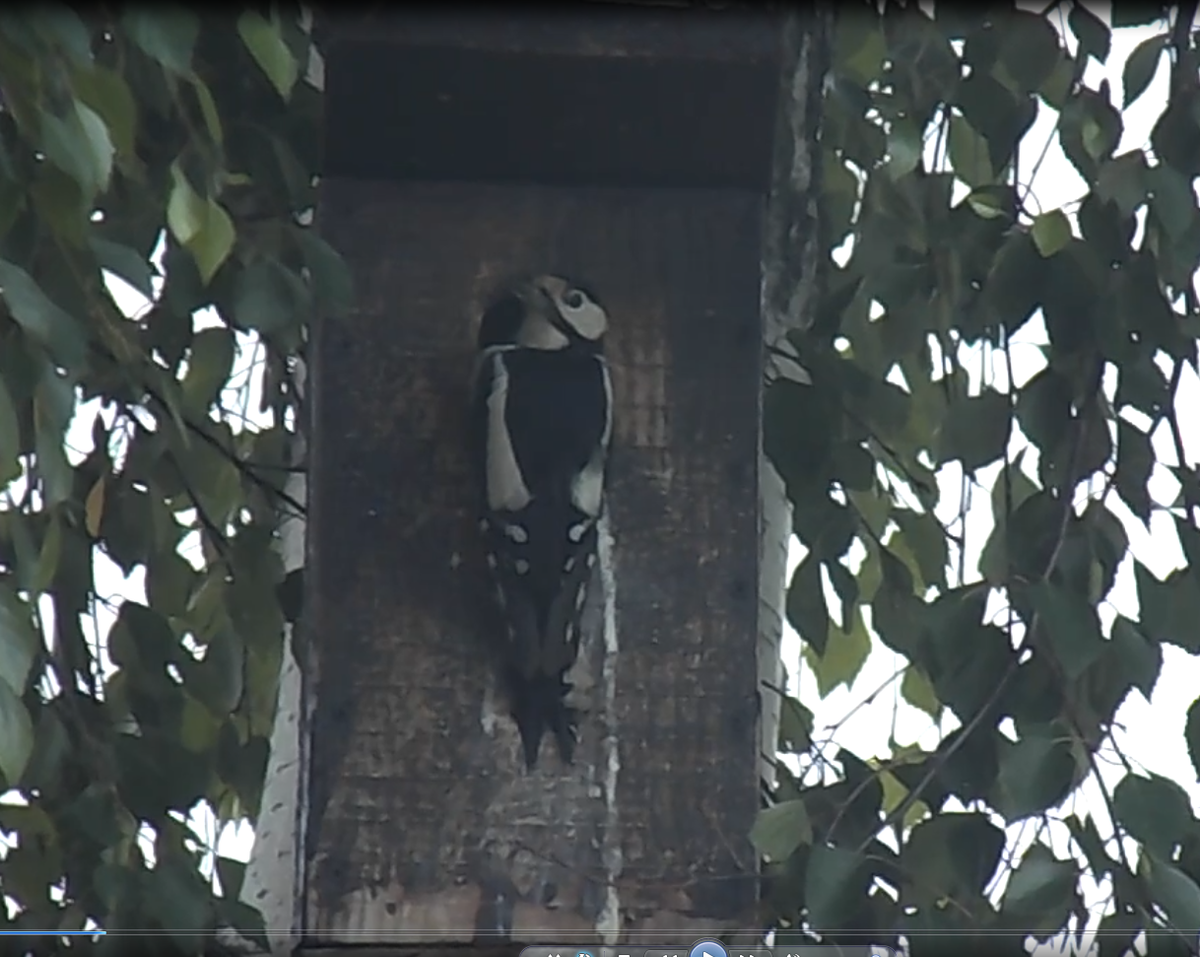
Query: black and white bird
pixel 542 421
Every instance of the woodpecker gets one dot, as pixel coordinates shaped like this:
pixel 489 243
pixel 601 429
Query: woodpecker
pixel 541 425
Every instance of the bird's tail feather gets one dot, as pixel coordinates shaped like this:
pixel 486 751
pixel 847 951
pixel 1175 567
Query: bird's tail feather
pixel 538 707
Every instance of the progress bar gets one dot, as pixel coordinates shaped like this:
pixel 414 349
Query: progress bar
pixel 707 949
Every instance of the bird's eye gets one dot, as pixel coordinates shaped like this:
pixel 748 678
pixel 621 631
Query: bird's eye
pixel 574 299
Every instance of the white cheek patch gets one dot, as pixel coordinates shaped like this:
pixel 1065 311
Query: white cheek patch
pixel 521 566
pixel 591 322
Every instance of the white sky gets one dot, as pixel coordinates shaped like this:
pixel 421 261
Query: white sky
pixel 1149 733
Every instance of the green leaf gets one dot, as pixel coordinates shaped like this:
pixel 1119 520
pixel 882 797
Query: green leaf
pixel 16 736
pixel 208 108
pixel 831 885
pixel 1177 893
pixel 1088 838
pixel 1136 13
pixel 181 901
pixel 780 829
pixel 1172 200
pixel 219 680
pixel 1095 39
pixel 107 93
pixel 1089 131
pixel 165 34
pixel 806 611
pixel 1030 48
pixel 1176 139
pixel 1136 659
pixel 1012 290
pixel 1036 773
pixel 1141 67
pixel 925 539
pixel 53 406
pixel 951 855
pixel 333 286
pixel 63 28
pixel 246 920
pixel 209 363
pixel 1044 410
pixel 1191 735
pixel 201 225
pixel 1153 810
pixel 918 691
pixel 78 143
pixel 267 297
pixel 905 148
pixel 843 657
pixel 37 314
pixel 185 208
pixel 212 246
pixel 127 263
pixel 975 430
pixel 1051 231
pixel 265 44
pixel 795 726
pixel 18 640
pixel 894 793
pixel 290 594
pixel 860 48
pixel 1169 609
pixel 1119 931
pixel 1040 891
pixel 1071 625
pixel 1123 180
pixel 969 154
pixel 10 437
pixel 1135 462
pixel 232 874
pixel 999 116
pixel 142 638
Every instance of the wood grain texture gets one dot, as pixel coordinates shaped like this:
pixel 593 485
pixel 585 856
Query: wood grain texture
pixel 420 820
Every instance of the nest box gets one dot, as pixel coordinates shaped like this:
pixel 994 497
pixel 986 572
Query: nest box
pixel 630 148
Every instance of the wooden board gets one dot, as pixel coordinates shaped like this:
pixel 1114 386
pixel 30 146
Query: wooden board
pixel 590 97
pixel 420 822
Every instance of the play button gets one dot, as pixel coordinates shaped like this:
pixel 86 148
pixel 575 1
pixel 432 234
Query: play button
pixel 708 948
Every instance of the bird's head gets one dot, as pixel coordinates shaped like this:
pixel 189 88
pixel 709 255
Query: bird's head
pixel 546 312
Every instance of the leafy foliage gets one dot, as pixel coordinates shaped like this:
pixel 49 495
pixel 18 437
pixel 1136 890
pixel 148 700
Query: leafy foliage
pixel 167 157
pixel 942 262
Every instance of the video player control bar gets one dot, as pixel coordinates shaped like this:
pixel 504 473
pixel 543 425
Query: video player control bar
pixel 707 949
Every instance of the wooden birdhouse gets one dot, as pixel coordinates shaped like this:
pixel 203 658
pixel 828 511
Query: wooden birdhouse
pixel 630 148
